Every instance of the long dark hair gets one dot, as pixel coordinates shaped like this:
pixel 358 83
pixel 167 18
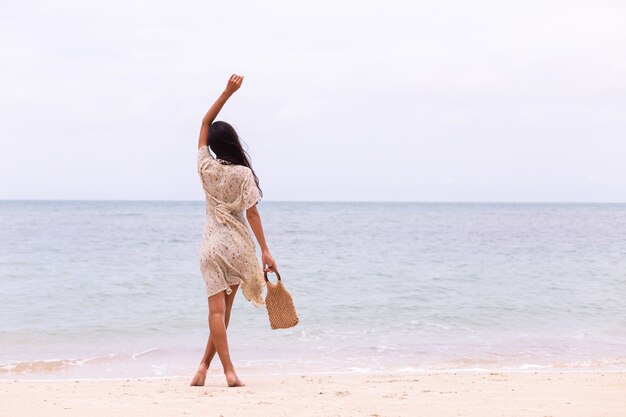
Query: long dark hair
pixel 226 145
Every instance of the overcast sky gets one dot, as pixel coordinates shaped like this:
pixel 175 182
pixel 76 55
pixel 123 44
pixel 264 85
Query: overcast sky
pixel 342 100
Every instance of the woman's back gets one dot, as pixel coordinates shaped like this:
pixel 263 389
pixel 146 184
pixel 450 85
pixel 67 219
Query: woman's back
pixel 226 184
pixel 227 252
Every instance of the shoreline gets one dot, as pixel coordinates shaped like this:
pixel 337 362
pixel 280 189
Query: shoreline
pixel 114 370
pixel 375 373
pixel 479 394
pixel 290 372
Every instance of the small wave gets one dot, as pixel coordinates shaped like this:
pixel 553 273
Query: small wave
pixel 50 365
pixel 145 352
pixel 360 370
pixel 593 363
pixel 531 366
pixel 471 362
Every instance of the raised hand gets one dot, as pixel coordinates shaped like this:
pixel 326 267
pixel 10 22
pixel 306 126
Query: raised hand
pixel 234 82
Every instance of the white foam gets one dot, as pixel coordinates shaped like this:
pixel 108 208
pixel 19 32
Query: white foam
pixel 145 352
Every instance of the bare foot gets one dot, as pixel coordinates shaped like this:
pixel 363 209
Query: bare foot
pixel 233 380
pixel 198 379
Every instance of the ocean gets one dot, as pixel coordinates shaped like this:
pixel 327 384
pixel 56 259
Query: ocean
pixel 112 289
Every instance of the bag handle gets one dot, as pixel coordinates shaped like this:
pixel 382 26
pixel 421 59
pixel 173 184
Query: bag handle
pixel 267 280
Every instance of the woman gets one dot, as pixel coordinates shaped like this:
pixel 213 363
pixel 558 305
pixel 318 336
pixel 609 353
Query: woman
pixel 227 253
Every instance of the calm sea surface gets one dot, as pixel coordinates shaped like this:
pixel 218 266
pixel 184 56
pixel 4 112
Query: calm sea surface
pixel 113 289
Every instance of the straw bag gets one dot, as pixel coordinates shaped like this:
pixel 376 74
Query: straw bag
pixel 280 307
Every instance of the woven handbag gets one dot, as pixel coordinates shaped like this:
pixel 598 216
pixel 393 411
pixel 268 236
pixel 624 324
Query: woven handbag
pixel 280 307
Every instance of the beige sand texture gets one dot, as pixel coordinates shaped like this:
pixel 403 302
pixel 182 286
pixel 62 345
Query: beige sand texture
pixel 437 394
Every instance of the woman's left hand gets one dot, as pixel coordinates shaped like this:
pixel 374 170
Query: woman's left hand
pixel 269 264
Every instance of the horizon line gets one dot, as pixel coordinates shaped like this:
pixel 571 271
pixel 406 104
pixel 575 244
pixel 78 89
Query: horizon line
pixel 322 201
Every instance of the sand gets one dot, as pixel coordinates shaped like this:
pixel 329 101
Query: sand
pixel 434 394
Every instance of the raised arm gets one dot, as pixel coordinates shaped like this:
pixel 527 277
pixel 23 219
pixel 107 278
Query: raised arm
pixel 234 82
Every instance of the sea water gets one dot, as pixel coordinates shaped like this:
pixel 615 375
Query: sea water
pixel 110 289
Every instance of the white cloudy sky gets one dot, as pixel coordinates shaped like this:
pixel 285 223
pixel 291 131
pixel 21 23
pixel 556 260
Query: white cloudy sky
pixel 343 100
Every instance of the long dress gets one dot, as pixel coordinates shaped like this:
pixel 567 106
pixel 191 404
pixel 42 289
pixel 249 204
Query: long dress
pixel 227 251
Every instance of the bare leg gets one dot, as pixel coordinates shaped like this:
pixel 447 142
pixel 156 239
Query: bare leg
pixel 210 350
pixel 217 324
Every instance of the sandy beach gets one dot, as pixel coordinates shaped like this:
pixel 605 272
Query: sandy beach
pixel 432 394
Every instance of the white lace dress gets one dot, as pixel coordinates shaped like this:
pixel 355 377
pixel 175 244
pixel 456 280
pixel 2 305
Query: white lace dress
pixel 227 252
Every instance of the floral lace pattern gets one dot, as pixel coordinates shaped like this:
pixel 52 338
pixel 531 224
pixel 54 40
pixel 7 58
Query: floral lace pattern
pixel 227 252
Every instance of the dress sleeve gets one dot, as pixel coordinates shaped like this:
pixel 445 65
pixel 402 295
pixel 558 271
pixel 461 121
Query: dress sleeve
pixel 251 193
pixel 204 157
